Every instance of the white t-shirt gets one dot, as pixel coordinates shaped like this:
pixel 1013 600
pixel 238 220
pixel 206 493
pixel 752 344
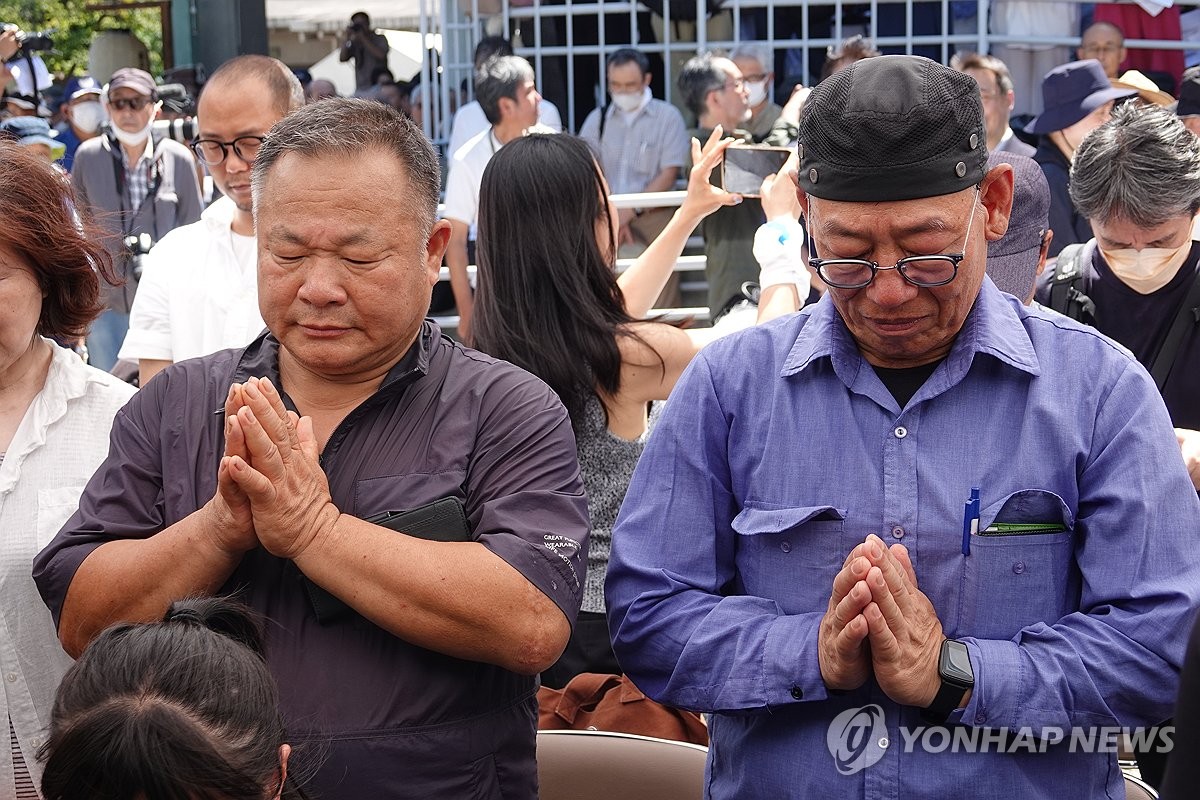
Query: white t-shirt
pixel 469 121
pixel 466 173
pixel 198 293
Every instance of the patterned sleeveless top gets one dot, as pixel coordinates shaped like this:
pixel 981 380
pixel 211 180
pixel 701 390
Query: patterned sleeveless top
pixel 606 463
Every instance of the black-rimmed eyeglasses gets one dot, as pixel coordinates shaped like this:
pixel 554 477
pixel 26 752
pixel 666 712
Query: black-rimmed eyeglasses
pixel 213 151
pixel 925 271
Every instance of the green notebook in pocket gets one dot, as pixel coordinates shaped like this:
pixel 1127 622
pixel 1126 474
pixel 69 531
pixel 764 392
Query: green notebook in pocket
pixel 443 520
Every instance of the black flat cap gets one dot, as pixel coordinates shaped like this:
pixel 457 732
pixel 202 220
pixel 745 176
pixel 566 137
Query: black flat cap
pixel 892 128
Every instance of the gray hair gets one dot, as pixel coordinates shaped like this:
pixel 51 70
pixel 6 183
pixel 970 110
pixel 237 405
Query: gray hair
pixel 350 127
pixel 698 77
pixel 1142 166
pixel 759 52
pixel 500 77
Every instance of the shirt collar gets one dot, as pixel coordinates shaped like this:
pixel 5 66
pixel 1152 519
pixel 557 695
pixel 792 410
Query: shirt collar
pixel 647 96
pixel 993 326
pixel 147 154
pixel 261 359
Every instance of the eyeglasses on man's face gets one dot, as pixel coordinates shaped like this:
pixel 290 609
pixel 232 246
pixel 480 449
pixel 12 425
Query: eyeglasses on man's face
pixel 213 151
pixel 737 84
pixel 925 271
pixel 130 103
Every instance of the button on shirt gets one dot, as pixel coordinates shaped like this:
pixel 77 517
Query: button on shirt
pixel 637 146
pixel 784 432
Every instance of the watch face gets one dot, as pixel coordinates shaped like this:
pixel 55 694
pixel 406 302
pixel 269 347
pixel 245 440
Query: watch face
pixel 955 664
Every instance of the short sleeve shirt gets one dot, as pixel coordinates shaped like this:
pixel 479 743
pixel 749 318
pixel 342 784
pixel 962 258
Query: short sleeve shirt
pixel 382 717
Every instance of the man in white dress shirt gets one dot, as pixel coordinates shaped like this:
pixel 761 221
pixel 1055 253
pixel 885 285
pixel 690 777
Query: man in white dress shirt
pixel 199 292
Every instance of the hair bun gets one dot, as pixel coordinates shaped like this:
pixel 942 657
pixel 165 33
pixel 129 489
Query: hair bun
pixel 220 615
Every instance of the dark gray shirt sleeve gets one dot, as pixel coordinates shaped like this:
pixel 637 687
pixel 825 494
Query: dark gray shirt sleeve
pixel 525 494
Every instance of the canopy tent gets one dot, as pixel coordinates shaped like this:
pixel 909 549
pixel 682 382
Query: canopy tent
pixel 405 54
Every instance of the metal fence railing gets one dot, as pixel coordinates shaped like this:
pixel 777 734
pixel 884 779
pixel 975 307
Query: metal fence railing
pixel 567 41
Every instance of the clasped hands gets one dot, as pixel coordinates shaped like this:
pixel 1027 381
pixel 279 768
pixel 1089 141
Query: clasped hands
pixel 271 490
pixel 878 622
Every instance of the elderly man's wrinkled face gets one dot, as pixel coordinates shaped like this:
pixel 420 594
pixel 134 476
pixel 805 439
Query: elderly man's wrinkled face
pixel 896 323
pixel 344 272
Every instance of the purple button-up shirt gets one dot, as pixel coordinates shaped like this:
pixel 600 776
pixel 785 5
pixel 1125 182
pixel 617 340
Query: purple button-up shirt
pixel 780 450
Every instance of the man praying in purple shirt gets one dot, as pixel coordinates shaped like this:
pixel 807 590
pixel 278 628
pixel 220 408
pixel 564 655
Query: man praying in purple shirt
pixel 406 664
pixel 917 540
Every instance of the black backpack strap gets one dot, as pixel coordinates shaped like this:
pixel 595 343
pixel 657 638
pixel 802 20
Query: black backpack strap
pixel 1070 281
pixel 1185 319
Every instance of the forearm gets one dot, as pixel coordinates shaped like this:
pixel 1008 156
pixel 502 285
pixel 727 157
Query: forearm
pixel 456 598
pixel 375 48
pixel 644 280
pixel 136 580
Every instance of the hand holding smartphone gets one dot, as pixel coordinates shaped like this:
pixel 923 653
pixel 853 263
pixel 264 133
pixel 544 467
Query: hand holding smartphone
pixel 745 167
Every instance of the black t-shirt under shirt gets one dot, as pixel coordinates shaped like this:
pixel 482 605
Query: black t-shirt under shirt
pixel 903 383
pixel 1140 322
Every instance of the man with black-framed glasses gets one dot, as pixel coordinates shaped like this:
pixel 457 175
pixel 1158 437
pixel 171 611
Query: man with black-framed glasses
pixel 139 187
pixel 199 288
pixel 918 511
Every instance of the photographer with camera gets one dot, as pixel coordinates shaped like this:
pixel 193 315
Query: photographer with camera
pixel 20 64
pixel 199 291
pixel 135 185
pixel 367 47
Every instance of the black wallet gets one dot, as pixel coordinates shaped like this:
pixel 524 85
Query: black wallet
pixel 443 520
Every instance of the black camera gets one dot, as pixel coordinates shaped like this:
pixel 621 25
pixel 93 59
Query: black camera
pixel 137 245
pixel 32 42
pixel 356 27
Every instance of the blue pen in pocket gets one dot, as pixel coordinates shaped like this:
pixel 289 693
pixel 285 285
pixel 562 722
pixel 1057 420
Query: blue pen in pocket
pixel 970 520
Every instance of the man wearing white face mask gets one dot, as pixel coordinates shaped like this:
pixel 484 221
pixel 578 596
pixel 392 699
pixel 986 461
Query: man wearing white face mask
pixel 83 115
pixel 640 143
pixel 754 60
pixel 138 189
pixel 1137 179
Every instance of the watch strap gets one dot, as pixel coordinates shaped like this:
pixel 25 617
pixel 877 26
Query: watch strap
pixel 945 702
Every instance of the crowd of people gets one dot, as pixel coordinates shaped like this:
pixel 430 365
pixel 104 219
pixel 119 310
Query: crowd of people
pixel 933 463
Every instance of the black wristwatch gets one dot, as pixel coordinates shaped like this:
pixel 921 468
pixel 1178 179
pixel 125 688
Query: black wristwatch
pixel 954 668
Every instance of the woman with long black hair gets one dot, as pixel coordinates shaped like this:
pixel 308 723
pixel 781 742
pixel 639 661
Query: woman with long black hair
pixel 550 301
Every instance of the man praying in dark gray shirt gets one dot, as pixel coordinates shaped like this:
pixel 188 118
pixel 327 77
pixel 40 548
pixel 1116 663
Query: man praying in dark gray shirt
pixel 406 665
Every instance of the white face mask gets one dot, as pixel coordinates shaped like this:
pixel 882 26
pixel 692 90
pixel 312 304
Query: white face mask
pixel 88 116
pixel 1148 270
pixel 133 139
pixel 630 102
pixel 758 92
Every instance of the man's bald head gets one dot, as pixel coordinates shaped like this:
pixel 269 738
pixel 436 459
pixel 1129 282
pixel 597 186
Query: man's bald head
pixel 282 83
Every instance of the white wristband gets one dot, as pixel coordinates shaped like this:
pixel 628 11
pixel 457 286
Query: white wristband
pixel 778 248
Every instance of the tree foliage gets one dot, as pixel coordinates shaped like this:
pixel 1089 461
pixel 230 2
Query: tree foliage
pixel 73 27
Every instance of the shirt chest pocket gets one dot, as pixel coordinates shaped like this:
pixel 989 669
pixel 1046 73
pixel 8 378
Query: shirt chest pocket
pixel 1021 569
pixel 791 555
pixel 406 492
